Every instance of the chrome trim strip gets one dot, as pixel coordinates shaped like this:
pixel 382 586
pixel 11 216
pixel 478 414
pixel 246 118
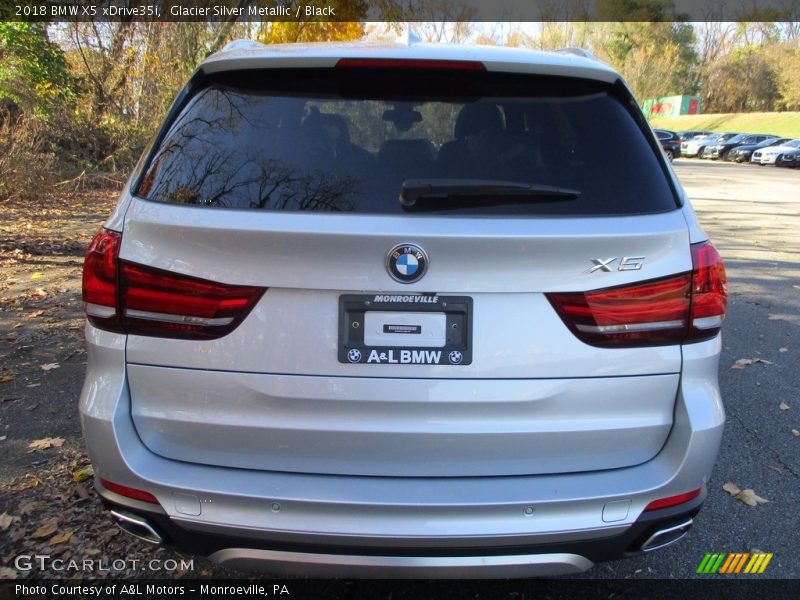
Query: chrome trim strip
pixel 98 310
pixel 156 316
pixel 708 322
pixel 401 567
pixel 628 327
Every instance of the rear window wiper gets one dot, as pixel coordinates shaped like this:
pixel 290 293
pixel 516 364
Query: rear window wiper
pixel 436 194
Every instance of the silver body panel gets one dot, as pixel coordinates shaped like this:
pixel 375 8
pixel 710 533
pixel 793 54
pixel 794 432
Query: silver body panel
pixel 562 405
pixel 396 427
pixel 399 511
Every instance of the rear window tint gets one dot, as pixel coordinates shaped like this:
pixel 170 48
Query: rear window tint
pixel 345 140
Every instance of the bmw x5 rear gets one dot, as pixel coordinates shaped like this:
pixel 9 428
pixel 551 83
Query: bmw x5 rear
pixel 397 311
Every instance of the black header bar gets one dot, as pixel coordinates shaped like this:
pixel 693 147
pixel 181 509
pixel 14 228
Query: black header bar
pixel 397 10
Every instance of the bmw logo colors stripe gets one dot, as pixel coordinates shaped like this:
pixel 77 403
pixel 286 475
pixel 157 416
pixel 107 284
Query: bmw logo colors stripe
pixel 406 263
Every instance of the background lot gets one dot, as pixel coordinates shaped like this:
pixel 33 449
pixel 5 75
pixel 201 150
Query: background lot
pixel 751 213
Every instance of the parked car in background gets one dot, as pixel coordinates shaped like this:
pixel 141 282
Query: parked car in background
pixel 705 152
pixel 397 311
pixel 670 142
pixel 685 136
pixel 720 151
pixel 789 159
pixel 743 153
pixel 695 145
pixel 769 155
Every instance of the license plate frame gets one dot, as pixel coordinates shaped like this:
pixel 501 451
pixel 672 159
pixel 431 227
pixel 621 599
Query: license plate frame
pixel 457 348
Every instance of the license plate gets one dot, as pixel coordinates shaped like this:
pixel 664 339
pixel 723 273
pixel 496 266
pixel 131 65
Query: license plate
pixel 405 329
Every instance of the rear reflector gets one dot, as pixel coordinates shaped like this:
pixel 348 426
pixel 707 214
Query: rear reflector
pixel 130 298
pixel 128 492
pixel 678 309
pixel 673 500
pixel 409 63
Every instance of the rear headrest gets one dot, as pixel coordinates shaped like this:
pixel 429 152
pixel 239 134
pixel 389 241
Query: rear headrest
pixel 316 121
pixel 477 117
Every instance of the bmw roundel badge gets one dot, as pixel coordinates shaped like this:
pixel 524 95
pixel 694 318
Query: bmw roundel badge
pixel 406 263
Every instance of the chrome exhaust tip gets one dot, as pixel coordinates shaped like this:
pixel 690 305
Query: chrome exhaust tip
pixel 136 526
pixel 664 537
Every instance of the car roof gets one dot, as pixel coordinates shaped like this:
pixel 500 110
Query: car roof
pixel 245 54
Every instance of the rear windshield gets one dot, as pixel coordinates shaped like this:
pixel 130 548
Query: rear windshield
pixel 347 140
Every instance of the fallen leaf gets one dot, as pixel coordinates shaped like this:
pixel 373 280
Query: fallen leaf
pixel 748 496
pixel 50 366
pixel 731 488
pixel 61 538
pixel 784 406
pixel 46 529
pixel 83 474
pixel 7 520
pixel 744 362
pixel 37 275
pixel 33 385
pixel 45 443
pixel 91 551
pixel 33 407
pixel 3 438
pixel 7 573
pixel 795 433
pixel 81 492
pixel 27 507
pixel 776 469
pixel 6 378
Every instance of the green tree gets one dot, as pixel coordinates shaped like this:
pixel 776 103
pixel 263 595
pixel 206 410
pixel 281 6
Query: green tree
pixel 33 72
pixel 656 58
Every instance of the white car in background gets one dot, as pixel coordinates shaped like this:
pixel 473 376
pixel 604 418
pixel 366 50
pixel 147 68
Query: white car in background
pixel 695 146
pixel 769 155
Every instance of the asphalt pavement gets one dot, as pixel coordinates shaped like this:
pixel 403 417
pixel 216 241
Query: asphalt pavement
pixel 752 215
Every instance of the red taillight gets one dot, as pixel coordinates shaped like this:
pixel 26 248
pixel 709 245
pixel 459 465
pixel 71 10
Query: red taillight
pixel 131 298
pixel 709 292
pixel 128 492
pixel 100 280
pixel 673 500
pixel 673 310
pixel 409 63
pixel 643 314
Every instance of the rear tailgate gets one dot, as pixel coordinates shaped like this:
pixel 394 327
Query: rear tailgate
pixel 274 395
pixel 290 181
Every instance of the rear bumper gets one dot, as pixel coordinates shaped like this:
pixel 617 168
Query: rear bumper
pixel 461 558
pixel 289 522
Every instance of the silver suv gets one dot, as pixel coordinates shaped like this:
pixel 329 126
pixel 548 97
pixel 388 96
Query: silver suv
pixel 411 310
